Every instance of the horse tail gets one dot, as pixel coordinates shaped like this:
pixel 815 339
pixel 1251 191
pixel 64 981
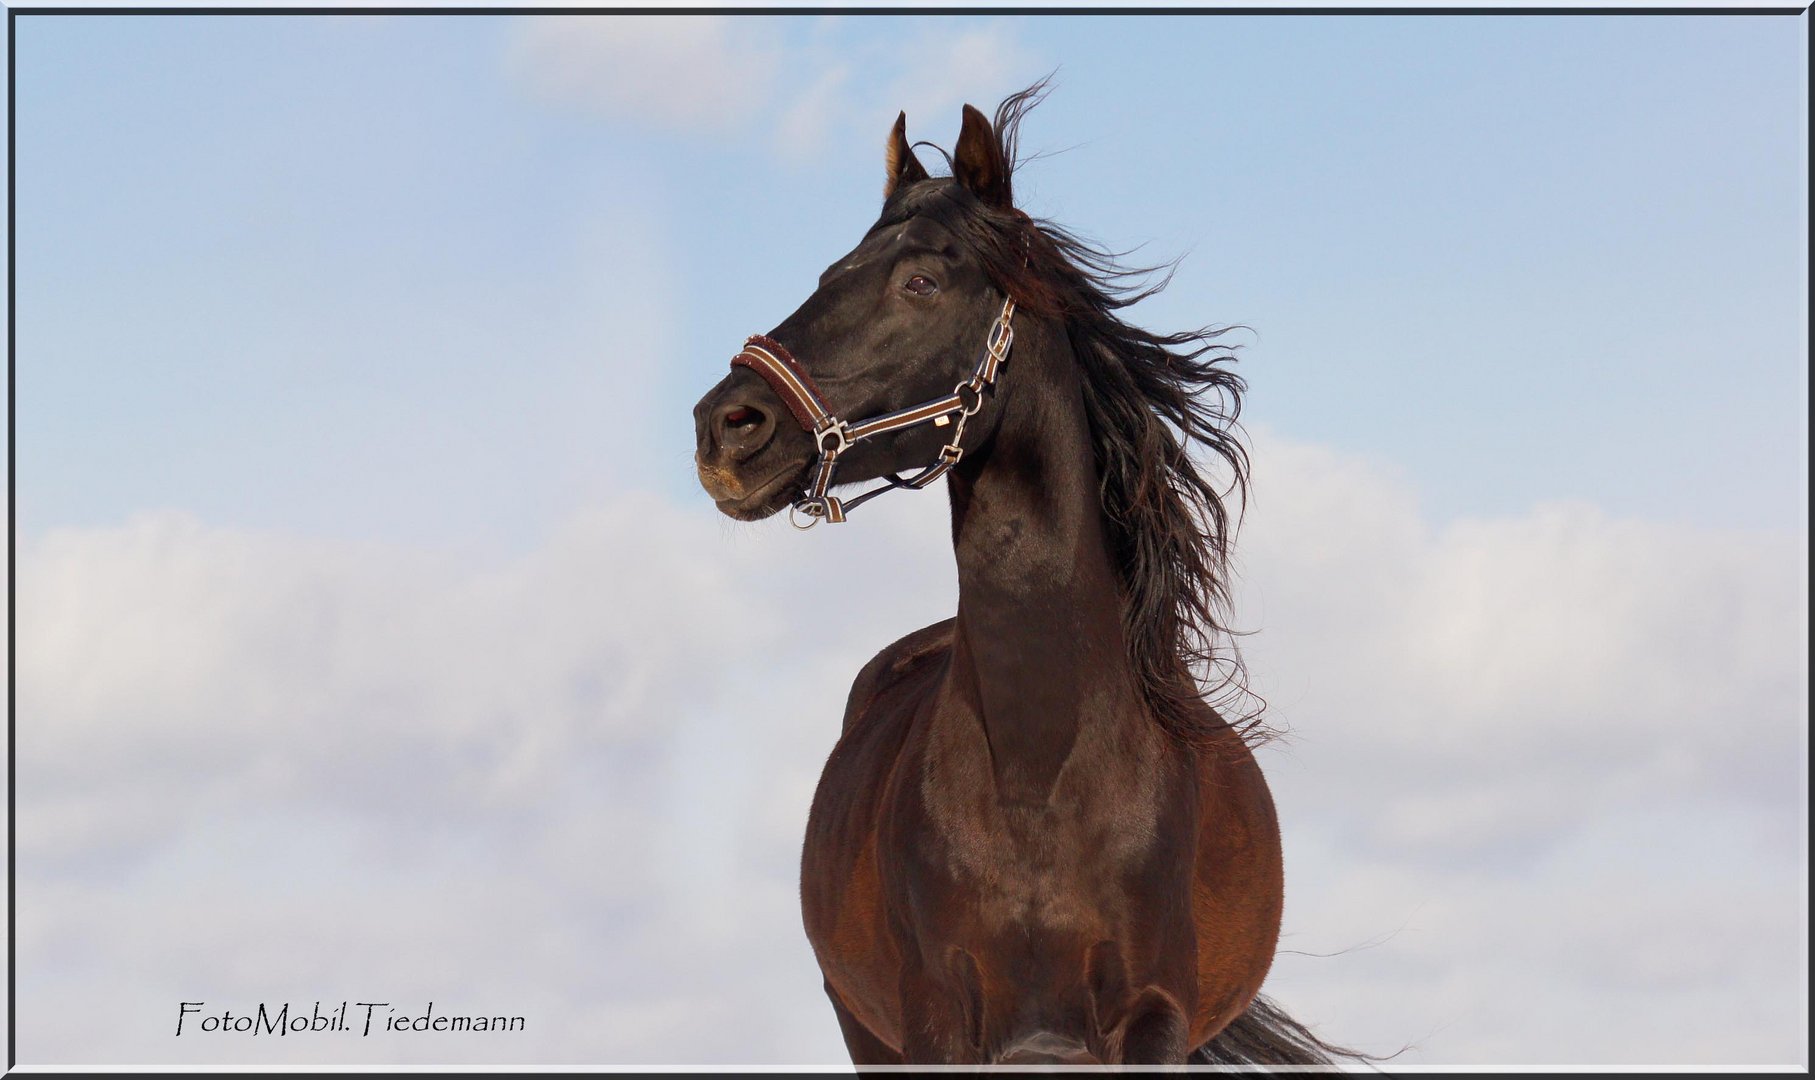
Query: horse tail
pixel 1264 1035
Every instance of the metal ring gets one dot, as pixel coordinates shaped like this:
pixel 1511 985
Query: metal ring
pixel 837 428
pixel 794 512
pixel 969 408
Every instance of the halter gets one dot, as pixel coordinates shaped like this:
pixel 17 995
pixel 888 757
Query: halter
pixel 790 381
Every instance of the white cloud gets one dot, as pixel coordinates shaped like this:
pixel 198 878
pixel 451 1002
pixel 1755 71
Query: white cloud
pixel 1575 649
pixel 1554 761
pixel 694 72
pixel 572 784
pixel 787 86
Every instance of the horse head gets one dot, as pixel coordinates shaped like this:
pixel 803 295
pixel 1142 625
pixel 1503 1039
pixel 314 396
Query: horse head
pixel 888 366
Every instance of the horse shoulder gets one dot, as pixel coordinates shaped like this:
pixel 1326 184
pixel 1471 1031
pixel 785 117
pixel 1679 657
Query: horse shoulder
pixel 894 664
pixel 1239 886
pixel 876 720
pixel 843 899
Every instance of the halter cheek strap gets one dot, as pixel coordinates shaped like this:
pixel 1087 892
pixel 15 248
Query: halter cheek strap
pixel 790 381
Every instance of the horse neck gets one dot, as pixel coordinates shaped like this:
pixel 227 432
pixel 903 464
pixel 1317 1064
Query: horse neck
pixel 1038 648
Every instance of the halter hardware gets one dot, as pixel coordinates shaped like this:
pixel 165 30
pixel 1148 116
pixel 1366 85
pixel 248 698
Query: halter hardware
pixel 790 381
pixel 844 438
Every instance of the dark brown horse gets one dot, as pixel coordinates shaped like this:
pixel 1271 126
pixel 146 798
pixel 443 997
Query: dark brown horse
pixel 1035 841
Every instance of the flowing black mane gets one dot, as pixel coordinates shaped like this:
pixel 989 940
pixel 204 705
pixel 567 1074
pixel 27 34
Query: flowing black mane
pixel 1150 398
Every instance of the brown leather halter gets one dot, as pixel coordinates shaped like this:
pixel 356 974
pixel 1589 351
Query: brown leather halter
pixel 790 381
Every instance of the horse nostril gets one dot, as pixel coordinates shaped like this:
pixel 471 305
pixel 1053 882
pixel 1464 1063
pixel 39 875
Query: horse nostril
pixel 742 428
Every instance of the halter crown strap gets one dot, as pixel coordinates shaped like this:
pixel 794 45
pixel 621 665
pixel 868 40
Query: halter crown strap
pixel 771 360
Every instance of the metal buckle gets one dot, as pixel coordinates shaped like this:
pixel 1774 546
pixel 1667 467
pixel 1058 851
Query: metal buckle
pixel 1000 337
pixel 951 453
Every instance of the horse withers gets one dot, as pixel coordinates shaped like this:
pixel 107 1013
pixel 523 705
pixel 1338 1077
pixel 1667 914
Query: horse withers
pixel 1034 842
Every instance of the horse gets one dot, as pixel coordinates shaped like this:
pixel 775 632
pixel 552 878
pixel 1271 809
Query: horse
pixel 1035 841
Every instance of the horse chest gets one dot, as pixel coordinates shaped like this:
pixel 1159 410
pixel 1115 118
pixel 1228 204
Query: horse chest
pixel 1065 863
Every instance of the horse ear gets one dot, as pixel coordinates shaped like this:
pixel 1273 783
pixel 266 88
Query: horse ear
pixel 978 164
pixel 903 167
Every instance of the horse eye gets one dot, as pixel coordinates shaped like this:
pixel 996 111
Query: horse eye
pixel 920 285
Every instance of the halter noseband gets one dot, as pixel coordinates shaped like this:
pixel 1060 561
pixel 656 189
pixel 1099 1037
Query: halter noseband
pixel 790 381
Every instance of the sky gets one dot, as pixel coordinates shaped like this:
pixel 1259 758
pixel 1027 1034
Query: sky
pixel 375 641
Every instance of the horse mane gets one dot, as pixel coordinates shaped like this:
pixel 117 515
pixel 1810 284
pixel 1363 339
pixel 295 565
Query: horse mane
pixel 1150 398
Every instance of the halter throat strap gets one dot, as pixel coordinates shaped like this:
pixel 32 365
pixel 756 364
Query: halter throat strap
pixel 789 379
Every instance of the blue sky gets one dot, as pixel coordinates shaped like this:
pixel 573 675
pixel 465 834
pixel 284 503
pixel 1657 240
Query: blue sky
pixel 374 636
pixel 1521 259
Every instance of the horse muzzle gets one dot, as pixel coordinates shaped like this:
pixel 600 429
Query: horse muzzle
pixel 739 431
